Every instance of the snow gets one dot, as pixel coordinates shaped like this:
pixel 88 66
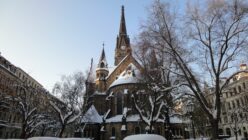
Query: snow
pixel 130 118
pixel 130 75
pixel 102 129
pixel 110 95
pixel 111 70
pixel 144 137
pixel 123 128
pixel 175 119
pixel 55 138
pixel 125 112
pixel 112 138
pixel 117 118
pixel 147 128
pixel 125 91
pixel 106 114
pixel 233 138
pixel 51 138
pixel 92 116
pixel 99 93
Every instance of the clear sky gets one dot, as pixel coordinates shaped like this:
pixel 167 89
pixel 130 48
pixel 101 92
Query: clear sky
pixel 50 38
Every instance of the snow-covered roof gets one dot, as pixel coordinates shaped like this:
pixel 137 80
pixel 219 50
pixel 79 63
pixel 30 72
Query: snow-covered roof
pixel 99 93
pixel 176 119
pixel 136 118
pixel 112 69
pixel 129 76
pixel 92 116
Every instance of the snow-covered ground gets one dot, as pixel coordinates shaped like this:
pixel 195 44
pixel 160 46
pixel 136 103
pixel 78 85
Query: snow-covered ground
pixel 144 137
pixel 232 138
pixel 51 138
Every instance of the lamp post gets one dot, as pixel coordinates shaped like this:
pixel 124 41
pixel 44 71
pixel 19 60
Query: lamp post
pixel 190 109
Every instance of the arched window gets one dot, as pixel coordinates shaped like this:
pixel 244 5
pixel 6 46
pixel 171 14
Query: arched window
pixel 137 130
pixel 159 131
pixel 119 103
pixel 113 131
pixel 228 131
pixel 102 65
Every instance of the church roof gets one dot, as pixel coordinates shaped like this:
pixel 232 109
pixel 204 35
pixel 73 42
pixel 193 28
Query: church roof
pixel 130 75
pixel 92 116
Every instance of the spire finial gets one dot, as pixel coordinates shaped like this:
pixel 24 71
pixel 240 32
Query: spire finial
pixel 122 9
pixel 103 44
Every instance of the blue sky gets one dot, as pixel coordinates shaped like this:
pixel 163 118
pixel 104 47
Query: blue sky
pixel 50 38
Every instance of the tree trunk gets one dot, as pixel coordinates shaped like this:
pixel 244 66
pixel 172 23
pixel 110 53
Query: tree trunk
pixel 215 129
pixel 62 131
pixel 23 132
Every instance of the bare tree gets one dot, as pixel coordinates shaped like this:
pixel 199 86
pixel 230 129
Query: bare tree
pixel 217 35
pixel 24 105
pixel 156 101
pixel 238 118
pixel 71 92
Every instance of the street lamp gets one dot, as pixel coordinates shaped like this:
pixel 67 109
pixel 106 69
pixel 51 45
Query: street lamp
pixel 190 109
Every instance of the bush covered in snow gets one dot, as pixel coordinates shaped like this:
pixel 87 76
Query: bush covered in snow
pixel 144 137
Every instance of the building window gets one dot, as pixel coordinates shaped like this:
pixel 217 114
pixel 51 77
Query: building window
pixel 113 131
pixel 244 86
pixel 119 103
pixel 235 90
pixel 233 104
pixel 242 102
pixel 239 89
pixel 229 105
pixel 159 131
pixel 238 104
pixel 228 131
pixel 137 130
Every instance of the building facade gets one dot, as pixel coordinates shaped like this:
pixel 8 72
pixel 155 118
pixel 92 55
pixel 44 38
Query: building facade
pixel 111 112
pixel 12 82
pixel 234 106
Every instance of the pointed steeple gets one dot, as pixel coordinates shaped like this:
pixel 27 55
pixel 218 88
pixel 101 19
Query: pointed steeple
pixel 122 41
pixel 123 30
pixel 102 61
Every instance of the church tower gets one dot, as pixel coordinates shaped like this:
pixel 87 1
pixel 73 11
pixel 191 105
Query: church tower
pixel 122 42
pixel 101 73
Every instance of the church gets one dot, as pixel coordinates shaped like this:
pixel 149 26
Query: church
pixel 110 112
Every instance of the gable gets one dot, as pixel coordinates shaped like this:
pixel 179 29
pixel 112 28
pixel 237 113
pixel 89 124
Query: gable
pixel 123 65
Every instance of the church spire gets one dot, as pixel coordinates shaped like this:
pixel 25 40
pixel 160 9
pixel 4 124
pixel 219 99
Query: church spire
pixel 102 61
pixel 122 41
pixel 123 30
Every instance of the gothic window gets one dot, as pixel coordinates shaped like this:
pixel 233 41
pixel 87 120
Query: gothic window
pixel 159 131
pixel 137 130
pixel 113 131
pixel 119 103
pixel 244 85
pixel 102 65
